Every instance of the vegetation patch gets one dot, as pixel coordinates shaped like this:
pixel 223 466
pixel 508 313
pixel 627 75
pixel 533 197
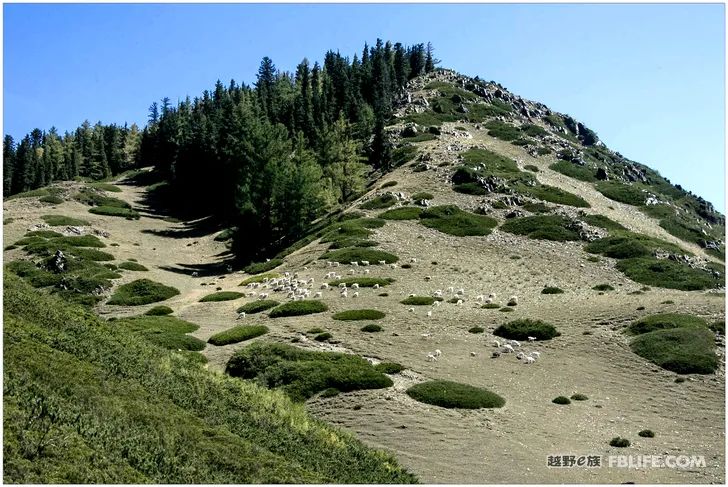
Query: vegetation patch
pixel 237 334
pixel 141 291
pixel 718 327
pixel 352 254
pixel 537 207
pixel 302 373
pixel 403 213
pixel 389 184
pixel 257 306
pixel 363 281
pixel 575 171
pixel 506 309
pixel 524 328
pixel 298 308
pixel 603 287
pixel 602 221
pixel 476 329
pixel 422 195
pixel 646 434
pixel 579 397
pixel 358 314
pixel 371 328
pixel 106 187
pixel 52 199
pixel 221 296
pixel 379 202
pixel 626 245
pixel 502 130
pixel 543 227
pixel 132 266
pixel 491 306
pixel 562 400
pixel 159 311
pixel 389 367
pixel 619 442
pixel 260 278
pixel 420 300
pixel 259 267
pixel 684 350
pixel 323 337
pixel 668 274
pixel 624 193
pixel 452 220
pixel 62 221
pixel 225 235
pixel 666 321
pixel 166 332
pixel 449 394
pixel 127 213
pixel 555 195
pixel 552 290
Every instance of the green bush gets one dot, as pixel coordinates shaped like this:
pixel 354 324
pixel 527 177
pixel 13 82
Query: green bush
pixel 530 167
pixel 624 193
pixel 371 328
pixel 52 199
pixel 476 329
pixel 449 394
pixel 555 195
pixel 561 400
pixel 62 221
pixel 503 131
pixel 260 267
pixel 579 397
pixel 544 227
pixel 302 373
pixel 257 306
pixel 132 266
pixel 668 274
pixel 298 308
pixel 603 287
pixel 358 314
pixel 127 213
pixel 159 311
pixel 260 278
pixel 221 296
pixel 666 321
pixel 602 221
pixel 330 392
pixel 141 291
pixel 30 194
pixel 44 234
pixel 352 254
pixel 619 442
pixel 389 184
pixel 491 306
pixel 452 220
pixel 524 328
pixel 420 300
pixel 627 245
pixel 315 331
pixel 422 195
pixel 506 309
pixel 106 187
pixel 363 281
pixel 718 327
pixel 323 337
pixel 225 235
pixel 402 213
pixel 646 434
pixel 575 171
pixel 94 198
pixel 379 202
pixel 389 368
pixel 423 137
pixel 167 324
pixel 237 334
pixel 173 341
pixel 552 290
pixel 404 154
pixel 684 350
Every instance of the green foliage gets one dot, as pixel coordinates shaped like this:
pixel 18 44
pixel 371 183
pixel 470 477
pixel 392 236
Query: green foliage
pixel 718 327
pixel 420 300
pixel 552 290
pixel 315 331
pixel 684 350
pixel 562 400
pixel 530 167
pixel 106 187
pixel 43 234
pixel 159 311
pixel 579 397
pixel 379 202
pixel 668 274
pixel 52 199
pixel 371 328
pixel 323 337
pixel 506 309
pixel 476 329
pixel 533 130
pixel 62 221
pixel 257 306
pixel 132 266
pixel 422 137
pixel 298 308
pixel 431 118
pixel 402 213
pixel 625 245
pixel 301 373
pixel 167 324
pixel 603 287
pixel 330 392
pixel 141 291
pixel 666 321
pixel 343 234
pixel 402 155
pixel 237 334
pixel 352 254
pixel 389 184
pixel 221 296
pixel 363 281
pixel 544 227
pixel 94 198
pixel 602 221
pixel 127 213
pixel 260 267
pixel 624 193
pixel 225 235
pixel 358 314
pixel 452 220
pixel 582 173
pixel 422 195
pixel 619 442
pixel 555 195
pixel 389 367
pixel 503 131
pixel 646 434
pixel 524 328
pixel 449 394
pixel 260 278
pixel 491 306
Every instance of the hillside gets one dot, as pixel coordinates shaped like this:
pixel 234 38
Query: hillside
pixel 501 197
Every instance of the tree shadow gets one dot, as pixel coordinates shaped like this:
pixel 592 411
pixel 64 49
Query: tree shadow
pixel 189 229
pixel 201 270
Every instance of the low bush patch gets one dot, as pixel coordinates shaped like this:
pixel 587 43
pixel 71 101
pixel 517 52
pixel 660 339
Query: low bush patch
pixel 619 442
pixel 491 306
pixel 389 184
pixel 371 328
pixel 602 221
pixel 141 291
pixel 259 267
pixel 298 308
pixel 603 287
pixel 665 321
pixel 420 300
pixel 221 296
pixel 260 278
pixel 627 245
pixel 225 235
pixel 106 187
pixel 555 195
pixel 624 193
pixel 62 221
pixel 127 213
pixel 167 324
pixel 403 213
pixel 422 195
pixel 449 394
pixel 579 397
pixel 544 227
pixel 132 266
pixel 476 329
pixel 358 314
pixel 561 400
pixel 646 434
pixel 159 311
pixel 389 367
pixel 668 274
pixel 52 199
pixel 363 281
pixel 506 309
pixel 524 328
pixel 681 350
pixel 379 202
pixel 575 171
pixel 257 306
pixel 552 290
pixel 452 220
pixel 323 337
pixel 351 254
pixel 237 334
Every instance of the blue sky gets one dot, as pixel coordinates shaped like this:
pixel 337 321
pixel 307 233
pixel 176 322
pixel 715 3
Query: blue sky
pixel 649 79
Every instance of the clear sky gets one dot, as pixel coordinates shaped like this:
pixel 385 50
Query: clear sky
pixel 649 79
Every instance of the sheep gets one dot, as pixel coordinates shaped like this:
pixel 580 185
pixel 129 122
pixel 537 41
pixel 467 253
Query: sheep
pixel 431 358
pixel 241 315
pixel 531 339
pixel 520 355
pixel 366 271
pixel 426 335
pixel 376 286
pixel 392 266
pixel 428 278
pixel 411 310
pixel 413 260
pixel 438 293
pixel 495 355
pixel 459 302
pixel 324 286
pixel 263 296
pixel 480 298
pixel 195 274
pixel 337 264
pixel 412 295
pixel 287 274
pixel 310 280
pixel 515 343
pixel 355 295
pixel 382 262
pixel 472 354
pixel 530 360
pixel 355 285
pixel 318 295
pixel 352 271
pixel 513 301
pixel 536 354
pixel 508 349
pixel 460 291
pixel 429 314
pixel 329 263
pixel 364 262
pixel 492 296
pixel 354 263
pixel 451 289
pixel 436 303
pixel 342 284
pixel 487 301
pixel 344 294
pixel 438 352
pixel 496 344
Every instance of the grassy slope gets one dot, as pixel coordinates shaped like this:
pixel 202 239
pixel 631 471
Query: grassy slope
pixel 88 402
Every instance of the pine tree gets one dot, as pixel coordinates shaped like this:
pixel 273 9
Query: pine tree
pixel 9 163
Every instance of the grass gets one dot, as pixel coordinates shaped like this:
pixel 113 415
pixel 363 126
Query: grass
pixel 298 308
pixel 87 401
pixel 449 394
pixel 52 199
pixel 315 331
pixel 62 221
pixel 403 154
pixel 602 221
pixel 127 213
pixel 552 290
pixel 389 367
pixel 503 131
pixel 159 311
pixel 718 327
pixel 624 193
pixel 666 321
pixel 379 202
pixel 93 198
pixel 668 274
pixel 626 245
pixel 43 234
pixel 476 329
pixel 579 397
pixel 30 194
pixel 603 287
pixel 323 337
pixel 452 220
pixel 352 254
pixel 619 442
pixel 422 195
pixel 237 334
pixel 420 300
pixel 141 291
pixel 524 328
pixel 575 171
pixel 358 314
pixel 132 266
pixel 260 278
pixel 402 213
pixel 166 332
pixel 363 281
pixel 555 195
pixel 260 267
pixel 257 306
pixel 301 373
pixel 106 187
pixel 543 227
pixel 684 350
pixel 562 400
pixel 371 328
pixel 646 434
pixel 221 296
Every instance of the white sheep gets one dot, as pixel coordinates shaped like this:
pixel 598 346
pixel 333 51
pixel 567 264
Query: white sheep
pixel 492 296
pixel 344 294
pixel 413 260
pixel 354 263
pixel 241 315
pixel 329 263
pixel 460 291
pixel 515 343
pixel 426 335
pixel 324 286
pixel 337 264
pixel 472 354
pixel 366 271
pixel 382 262
pixel 364 262
pixel 531 339
pixel 376 286
pixel 438 293
pixel 355 285
pixel 536 354
pixel 431 358
pixel 318 295
pixel 355 295
pixel 429 314
pixel 411 310
pixel 459 302
pixel 352 271
pixel 392 266
pixel 436 303
pixel 195 274
pixel 451 289
pixel 438 352
pixel 263 296
pixel 520 355
pixel 508 349
pixel 480 298
pixel 530 360
pixel 428 278
pixel 488 301
pixel 496 344
pixel 513 301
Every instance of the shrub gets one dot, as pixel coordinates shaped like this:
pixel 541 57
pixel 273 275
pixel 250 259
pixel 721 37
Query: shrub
pixel 315 331
pixel 603 287
pixel 424 137
pixel 127 213
pixel 420 300
pixel 619 442
pixel 681 350
pixel 383 295
pixel 506 309
pixel 358 314
pixel 371 328
pixel 379 202
pixel 646 434
pixel 95 198
pixel 260 278
pixel 330 392
pixel 524 328
pixel 552 290
pixel 159 311
pixel 627 245
pixel 602 221
pixel 422 195
pixel 491 306
pixel 237 334
pixel 389 184
pixel 503 131
pixel 225 235
pixel 406 266
pixel 363 281
pixel 302 373
pixel 106 187
pixel 260 267
pixel 62 221
pixel 389 367
pixel 351 254
pixel 257 306
pixel 579 397
pixel 173 341
pixel 561 400
pixel 166 324
pixel 221 296
pixel 555 195
pixel 403 213
pixel 575 171
pixel 668 274
pixel 141 291
pixel 44 234
pixel 132 266
pixel 476 329
pixel 544 227
pixel 404 154
pixel 449 394
pixel 718 327
pixel 298 308
pixel 52 199
pixel 452 220
pixel 666 321
pixel 624 193
pixel 537 207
